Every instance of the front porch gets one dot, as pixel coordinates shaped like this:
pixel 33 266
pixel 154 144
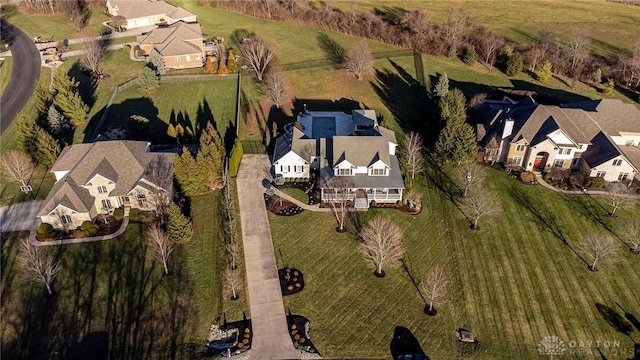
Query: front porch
pixel 360 197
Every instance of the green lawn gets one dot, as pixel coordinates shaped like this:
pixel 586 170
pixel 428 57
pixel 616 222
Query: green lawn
pixel 113 300
pixel 57 27
pixel 6 65
pixel 41 183
pixel 192 102
pixel 297 194
pixel 612 25
pixel 512 283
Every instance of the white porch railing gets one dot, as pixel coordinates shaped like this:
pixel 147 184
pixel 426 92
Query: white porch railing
pixel 378 197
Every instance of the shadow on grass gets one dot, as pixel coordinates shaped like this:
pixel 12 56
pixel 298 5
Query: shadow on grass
pixel 590 207
pixel 629 316
pixel 405 343
pixel 614 319
pixel 441 180
pixel 333 51
pixel 120 113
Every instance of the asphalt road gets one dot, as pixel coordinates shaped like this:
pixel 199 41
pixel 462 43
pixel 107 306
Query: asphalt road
pixel 26 71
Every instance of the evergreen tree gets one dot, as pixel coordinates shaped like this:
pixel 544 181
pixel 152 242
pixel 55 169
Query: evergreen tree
pixel 48 148
pixel 232 64
pixel 138 126
pixel 209 68
pixel 27 134
pixel 68 99
pixel 514 64
pixel 179 226
pixel 43 99
pixel 57 124
pixel 456 141
pixel 236 157
pixel 188 174
pixel 156 62
pixel 442 87
pixel 471 57
pixel 210 157
pixel 596 77
pixel 545 72
pixel 148 82
pixel 171 131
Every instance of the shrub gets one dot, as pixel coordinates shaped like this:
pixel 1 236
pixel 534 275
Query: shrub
pixel 45 228
pixel 86 225
pixel 126 48
pixel 596 181
pixel 373 203
pixel 527 176
pixel 471 57
pixel 514 64
pixel 608 87
pixel 279 181
pixel 93 230
pixel 236 157
pixel 576 179
pixel 118 213
pixel 77 233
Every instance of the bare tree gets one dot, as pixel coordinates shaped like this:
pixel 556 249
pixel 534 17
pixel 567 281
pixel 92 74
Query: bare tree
pixel 159 174
pixel 616 192
pixel 469 175
pixel 159 247
pixel 413 200
pixel 233 281
pixel 257 54
pixel 382 244
pixel 480 203
pixel 339 191
pixel 412 153
pixel 578 54
pixel 94 51
pixel 433 288
pixel 36 264
pixel 229 226
pixel 598 247
pixel 119 22
pixel 490 42
pixel 452 27
pixel 359 60
pixel 276 87
pixel 632 232
pixel 17 166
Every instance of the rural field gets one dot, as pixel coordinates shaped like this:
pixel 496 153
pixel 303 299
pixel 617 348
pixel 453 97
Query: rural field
pixel 512 283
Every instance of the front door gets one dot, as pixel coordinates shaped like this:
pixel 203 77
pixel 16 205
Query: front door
pixel 538 162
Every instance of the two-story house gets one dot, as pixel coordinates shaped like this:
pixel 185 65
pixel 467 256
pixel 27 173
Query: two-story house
pixel 599 137
pixel 96 178
pixel 354 156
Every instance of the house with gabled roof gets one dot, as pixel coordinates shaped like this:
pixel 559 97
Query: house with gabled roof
pixel 140 13
pixel 354 157
pixel 598 137
pixel 96 178
pixel 180 45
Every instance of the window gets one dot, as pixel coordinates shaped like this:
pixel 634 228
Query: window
pixel 564 151
pixel 600 174
pixel 378 172
pixel 558 163
pixel 575 162
pixel 142 200
pixel 617 162
pixel 177 58
pixel 188 58
pixel 285 168
pixel 344 172
pixel 517 160
pixel 102 189
pixel 66 219
pixel 520 147
pixel 298 168
pixel 106 204
pixel 623 176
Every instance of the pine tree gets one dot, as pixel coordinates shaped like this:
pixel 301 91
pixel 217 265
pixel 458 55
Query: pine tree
pixel 545 72
pixel 171 131
pixel 456 141
pixel 188 174
pixel 222 68
pixel 43 99
pixel 48 148
pixel 27 134
pixel 209 68
pixel 442 87
pixel 210 157
pixel 179 226
pixel 514 64
pixel 138 126
pixel 68 99
pixel 236 157
pixel 148 82
pixel 156 62
pixel 58 125
pixel 232 65
pixel 471 57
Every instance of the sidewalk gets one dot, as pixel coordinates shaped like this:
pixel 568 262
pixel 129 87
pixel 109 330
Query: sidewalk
pixel 271 338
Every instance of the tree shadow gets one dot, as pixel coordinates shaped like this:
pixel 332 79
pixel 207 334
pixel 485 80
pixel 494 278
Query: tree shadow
pixel 589 206
pixel 87 86
pixel 413 279
pixel 629 316
pixel 405 343
pixel 333 51
pixel 204 115
pixel 546 221
pixel 229 138
pixel 120 113
pixel 614 319
pixel 392 14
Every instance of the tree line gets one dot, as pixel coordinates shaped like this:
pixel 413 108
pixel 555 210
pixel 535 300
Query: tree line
pixel 457 35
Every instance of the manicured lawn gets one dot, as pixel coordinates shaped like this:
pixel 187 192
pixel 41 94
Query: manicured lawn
pixel 6 66
pixel 512 283
pixel 57 27
pixel 613 26
pixel 179 102
pixel 113 300
pixel 297 194
pixel 42 181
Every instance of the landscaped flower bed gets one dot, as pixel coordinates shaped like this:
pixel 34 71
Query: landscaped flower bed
pixel 104 225
pixel 244 339
pixel 299 332
pixel 280 206
pixel 291 281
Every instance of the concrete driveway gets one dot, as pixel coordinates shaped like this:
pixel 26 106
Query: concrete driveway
pixel 25 73
pixel 20 216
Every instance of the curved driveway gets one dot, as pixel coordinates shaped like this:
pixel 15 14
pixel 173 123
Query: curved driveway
pixel 26 71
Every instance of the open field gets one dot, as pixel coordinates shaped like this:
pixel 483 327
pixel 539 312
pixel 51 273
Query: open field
pixel 6 65
pixel 191 102
pixel 57 27
pixel 512 283
pixel 612 26
pixel 113 300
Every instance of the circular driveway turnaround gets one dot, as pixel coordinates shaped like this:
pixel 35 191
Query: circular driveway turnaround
pixel 26 71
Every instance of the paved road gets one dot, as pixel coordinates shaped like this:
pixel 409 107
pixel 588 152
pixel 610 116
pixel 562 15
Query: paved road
pixel 26 71
pixel 271 338
pixel 18 217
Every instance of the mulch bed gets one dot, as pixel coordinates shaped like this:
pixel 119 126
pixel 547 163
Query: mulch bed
pixel 298 330
pixel 245 337
pixel 291 281
pixel 107 225
pixel 405 209
pixel 309 188
pixel 280 206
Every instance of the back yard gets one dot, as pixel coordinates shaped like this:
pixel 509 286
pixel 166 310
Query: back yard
pixel 512 283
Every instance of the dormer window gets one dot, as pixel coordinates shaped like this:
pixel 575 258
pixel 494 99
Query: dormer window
pixel 102 189
pixel 519 147
pixel 344 172
pixel 378 172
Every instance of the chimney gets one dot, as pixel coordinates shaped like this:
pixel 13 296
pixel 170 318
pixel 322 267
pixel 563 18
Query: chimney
pixel 508 128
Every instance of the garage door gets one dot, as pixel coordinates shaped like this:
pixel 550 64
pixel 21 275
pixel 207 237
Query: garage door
pixel 142 22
